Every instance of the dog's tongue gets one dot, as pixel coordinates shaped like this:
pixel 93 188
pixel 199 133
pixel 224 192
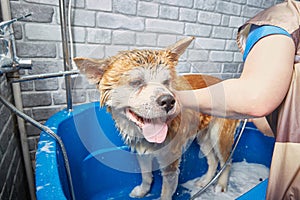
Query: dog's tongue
pixel 155 132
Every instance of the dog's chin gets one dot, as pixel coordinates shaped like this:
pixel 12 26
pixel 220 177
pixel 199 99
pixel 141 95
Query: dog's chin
pixel 154 130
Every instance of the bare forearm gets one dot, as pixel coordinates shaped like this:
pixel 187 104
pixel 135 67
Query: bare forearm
pixel 233 98
pixel 225 99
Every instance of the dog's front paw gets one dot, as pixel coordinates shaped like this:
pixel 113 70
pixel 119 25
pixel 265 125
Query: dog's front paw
pixel 220 188
pixel 139 191
pixel 203 181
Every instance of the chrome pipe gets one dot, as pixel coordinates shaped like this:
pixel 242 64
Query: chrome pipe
pixel 5 70
pixel 49 132
pixel 43 76
pixel 66 52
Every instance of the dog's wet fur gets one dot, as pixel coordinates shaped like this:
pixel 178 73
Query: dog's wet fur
pixel 138 87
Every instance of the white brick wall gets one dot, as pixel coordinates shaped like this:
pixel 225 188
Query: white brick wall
pixel 210 18
pixel 146 39
pixel 188 15
pixel 148 9
pixel 164 26
pixel 104 27
pixel 84 18
pixel 98 36
pixel 200 30
pixel 168 12
pixel 41 32
pixel 118 21
pixel 123 37
pixel 209 43
pixel 125 6
pixel 103 5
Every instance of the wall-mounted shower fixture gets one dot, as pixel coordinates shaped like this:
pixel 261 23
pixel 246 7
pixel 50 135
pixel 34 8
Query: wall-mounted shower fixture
pixel 9 62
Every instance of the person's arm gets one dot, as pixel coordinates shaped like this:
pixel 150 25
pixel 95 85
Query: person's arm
pixel 262 86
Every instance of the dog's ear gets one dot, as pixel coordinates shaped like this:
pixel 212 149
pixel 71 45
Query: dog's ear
pixel 179 47
pixel 92 68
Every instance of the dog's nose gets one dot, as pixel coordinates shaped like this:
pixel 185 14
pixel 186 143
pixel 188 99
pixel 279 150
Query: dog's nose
pixel 166 101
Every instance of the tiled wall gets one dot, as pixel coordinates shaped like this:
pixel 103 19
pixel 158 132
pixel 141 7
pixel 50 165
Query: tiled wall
pixel 103 27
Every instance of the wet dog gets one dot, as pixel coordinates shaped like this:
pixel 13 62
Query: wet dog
pixel 139 89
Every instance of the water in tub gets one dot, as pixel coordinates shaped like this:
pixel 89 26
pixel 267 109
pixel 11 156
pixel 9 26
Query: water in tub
pixel 243 177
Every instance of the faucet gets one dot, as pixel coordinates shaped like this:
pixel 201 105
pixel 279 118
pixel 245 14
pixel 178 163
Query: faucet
pixel 9 62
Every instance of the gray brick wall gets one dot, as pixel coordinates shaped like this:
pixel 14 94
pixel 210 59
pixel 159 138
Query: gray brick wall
pixel 104 27
pixel 13 184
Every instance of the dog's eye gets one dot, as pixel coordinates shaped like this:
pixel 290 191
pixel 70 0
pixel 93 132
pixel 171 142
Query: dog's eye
pixel 166 82
pixel 136 83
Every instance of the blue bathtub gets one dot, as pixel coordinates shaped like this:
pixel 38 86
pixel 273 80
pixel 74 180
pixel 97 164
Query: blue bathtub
pixel 102 167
